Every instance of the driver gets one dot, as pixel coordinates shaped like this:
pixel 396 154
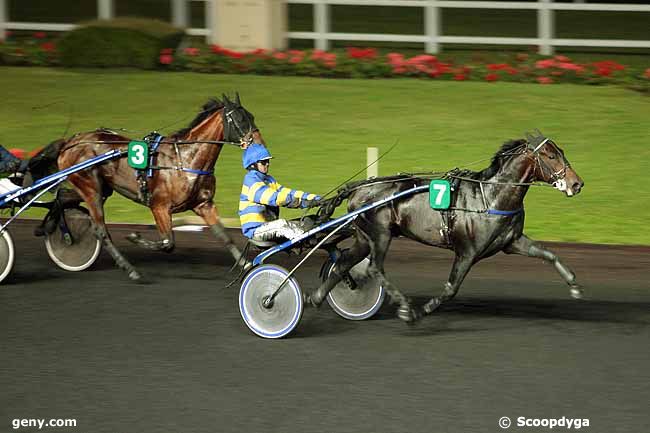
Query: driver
pixel 10 163
pixel 261 198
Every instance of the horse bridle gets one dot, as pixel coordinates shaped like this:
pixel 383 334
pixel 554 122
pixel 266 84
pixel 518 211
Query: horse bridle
pixel 231 124
pixel 556 178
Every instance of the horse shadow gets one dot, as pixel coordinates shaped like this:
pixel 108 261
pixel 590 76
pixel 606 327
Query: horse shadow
pixel 465 312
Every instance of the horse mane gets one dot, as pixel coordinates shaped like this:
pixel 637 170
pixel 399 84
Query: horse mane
pixel 207 110
pixel 498 159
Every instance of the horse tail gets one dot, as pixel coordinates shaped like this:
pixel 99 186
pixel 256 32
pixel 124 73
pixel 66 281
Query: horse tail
pixel 44 162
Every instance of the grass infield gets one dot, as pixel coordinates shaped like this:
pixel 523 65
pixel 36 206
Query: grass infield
pixel 319 129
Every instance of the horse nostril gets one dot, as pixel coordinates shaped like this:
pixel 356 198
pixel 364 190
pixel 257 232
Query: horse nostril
pixel 577 186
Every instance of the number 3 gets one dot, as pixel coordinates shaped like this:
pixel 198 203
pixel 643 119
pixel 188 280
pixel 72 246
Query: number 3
pixel 138 154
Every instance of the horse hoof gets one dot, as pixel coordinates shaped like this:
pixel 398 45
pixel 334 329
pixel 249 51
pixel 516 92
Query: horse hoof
pixel 247 265
pixel 133 237
pixel 308 300
pixel 431 306
pixel 135 276
pixel 576 292
pixel 408 314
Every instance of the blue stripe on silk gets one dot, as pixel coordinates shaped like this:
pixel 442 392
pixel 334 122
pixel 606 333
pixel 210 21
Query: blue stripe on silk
pixel 249 229
pixel 252 209
pixel 273 200
pixel 252 177
pixel 259 192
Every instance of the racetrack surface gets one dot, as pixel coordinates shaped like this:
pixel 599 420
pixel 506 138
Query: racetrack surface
pixel 174 355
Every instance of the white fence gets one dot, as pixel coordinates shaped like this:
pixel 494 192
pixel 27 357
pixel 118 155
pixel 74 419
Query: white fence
pixel 432 38
pixel 432 22
pixel 105 10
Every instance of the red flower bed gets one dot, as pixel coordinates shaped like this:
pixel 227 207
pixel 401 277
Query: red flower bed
pixel 356 62
pixel 369 63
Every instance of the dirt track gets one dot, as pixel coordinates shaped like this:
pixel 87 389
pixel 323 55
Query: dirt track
pixel 174 355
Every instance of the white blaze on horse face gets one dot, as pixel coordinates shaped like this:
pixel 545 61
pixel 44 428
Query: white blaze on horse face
pixel 561 185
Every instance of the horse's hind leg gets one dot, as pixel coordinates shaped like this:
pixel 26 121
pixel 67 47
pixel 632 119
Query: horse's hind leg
pixel 348 259
pixel 379 243
pixel 89 188
pixel 525 246
pixel 208 211
pixel 163 219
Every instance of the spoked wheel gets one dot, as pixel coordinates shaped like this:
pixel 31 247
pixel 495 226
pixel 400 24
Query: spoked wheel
pixel 7 254
pixel 73 245
pixel 273 319
pixel 357 296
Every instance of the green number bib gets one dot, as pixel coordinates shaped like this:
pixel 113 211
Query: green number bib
pixel 439 194
pixel 138 154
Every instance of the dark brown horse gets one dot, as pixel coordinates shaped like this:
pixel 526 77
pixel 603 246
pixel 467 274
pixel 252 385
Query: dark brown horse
pixel 182 179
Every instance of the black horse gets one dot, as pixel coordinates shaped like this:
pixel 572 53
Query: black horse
pixel 486 216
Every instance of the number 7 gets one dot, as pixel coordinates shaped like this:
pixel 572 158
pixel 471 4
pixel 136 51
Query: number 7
pixel 441 188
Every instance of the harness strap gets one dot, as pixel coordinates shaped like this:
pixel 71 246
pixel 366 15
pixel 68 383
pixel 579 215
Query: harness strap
pixel 504 212
pixel 189 170
pixel 154 149
pixel 200 172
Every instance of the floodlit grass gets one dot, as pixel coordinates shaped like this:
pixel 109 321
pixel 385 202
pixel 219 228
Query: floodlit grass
pixel 318 131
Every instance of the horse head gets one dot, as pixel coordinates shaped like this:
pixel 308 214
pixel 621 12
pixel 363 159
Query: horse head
pixel 239 123
pixel 551 166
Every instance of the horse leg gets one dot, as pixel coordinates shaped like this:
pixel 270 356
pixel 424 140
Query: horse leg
pixel 459 270
pixel 164 223
pixel 90 191
pixel 348 259
pixel 208 212
pixel 525 246
pixel 379 243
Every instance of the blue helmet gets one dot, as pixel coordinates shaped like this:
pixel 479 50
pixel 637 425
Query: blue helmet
pixel 253 153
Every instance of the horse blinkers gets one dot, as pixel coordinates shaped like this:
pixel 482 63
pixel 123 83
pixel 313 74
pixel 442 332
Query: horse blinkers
pixel 239 123
pixel 557 178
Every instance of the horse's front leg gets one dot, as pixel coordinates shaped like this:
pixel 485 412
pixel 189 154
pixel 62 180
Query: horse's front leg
pixel 525 246
pixel 163 218
pixel 208 211
pixel 459 270
pixel 379 243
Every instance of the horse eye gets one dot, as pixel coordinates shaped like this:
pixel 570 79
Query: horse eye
pixel 551 157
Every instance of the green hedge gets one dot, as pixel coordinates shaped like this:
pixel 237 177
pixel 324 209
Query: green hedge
pixel 131 42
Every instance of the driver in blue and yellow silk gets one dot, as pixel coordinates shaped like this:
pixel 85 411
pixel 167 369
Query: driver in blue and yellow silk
pixel 10 163
pixel 261 198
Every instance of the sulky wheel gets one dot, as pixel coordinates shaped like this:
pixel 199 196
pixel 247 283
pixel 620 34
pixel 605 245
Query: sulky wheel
pixel 357 296
pixel 270 319
pixel 73 245
pixel 7 254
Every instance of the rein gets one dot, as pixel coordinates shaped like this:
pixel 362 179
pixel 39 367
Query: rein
pixel 534 144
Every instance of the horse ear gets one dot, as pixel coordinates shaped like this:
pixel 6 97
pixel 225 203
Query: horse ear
pixel 237 100
pixel 529 137
pixel 226 101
